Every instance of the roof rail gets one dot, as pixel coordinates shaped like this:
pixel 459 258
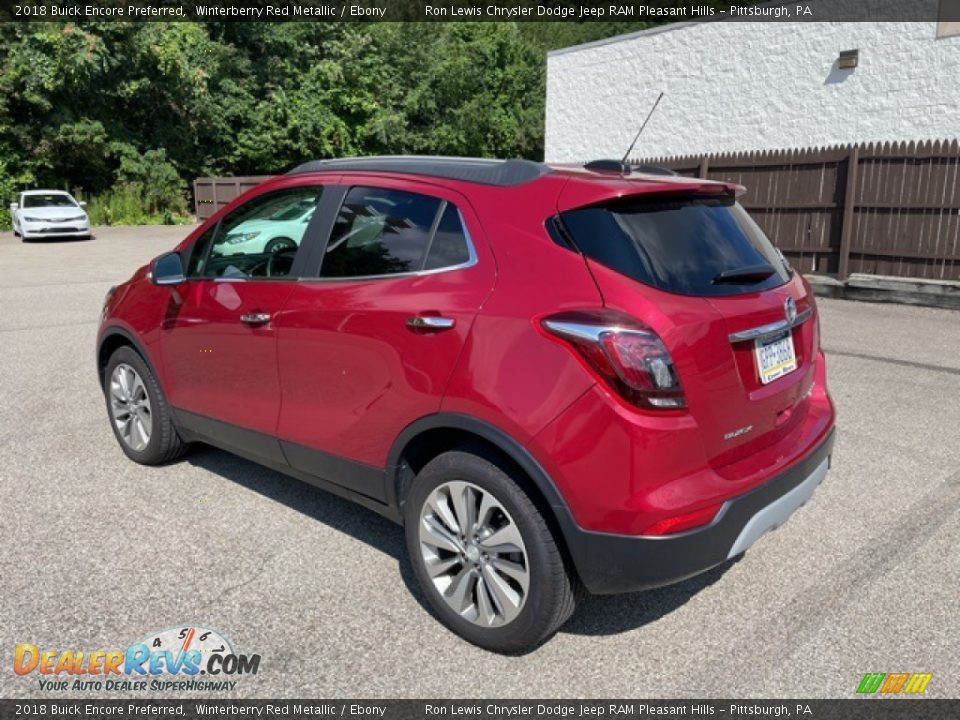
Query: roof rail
pixel 501 173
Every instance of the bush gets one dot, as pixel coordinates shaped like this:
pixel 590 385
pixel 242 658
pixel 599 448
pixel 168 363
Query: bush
pixel 148 191
pixel 9 186
pixel 152 178
pixel 126 204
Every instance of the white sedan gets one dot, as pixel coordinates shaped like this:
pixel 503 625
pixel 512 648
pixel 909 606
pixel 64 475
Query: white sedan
pixel 49 213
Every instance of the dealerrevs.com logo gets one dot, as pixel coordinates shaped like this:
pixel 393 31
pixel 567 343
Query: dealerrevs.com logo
pixel 179 659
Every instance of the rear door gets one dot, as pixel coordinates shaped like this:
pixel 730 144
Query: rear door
pixel 738 322
pixel 368 344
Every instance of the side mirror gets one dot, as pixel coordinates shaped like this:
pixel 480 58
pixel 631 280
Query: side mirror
pixel 83 203
pixel 167 270
pixel 14 206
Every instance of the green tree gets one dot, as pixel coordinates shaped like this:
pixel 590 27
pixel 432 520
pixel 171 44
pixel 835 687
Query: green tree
pixel 135 111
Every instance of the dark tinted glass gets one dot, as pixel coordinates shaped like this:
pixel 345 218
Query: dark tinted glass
pixel 50 200
pixel 449 246
pixel 379 232
pixel 198 253
pixel 682 247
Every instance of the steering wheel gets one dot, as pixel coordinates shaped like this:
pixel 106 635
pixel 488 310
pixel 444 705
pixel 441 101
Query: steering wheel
pixel 286 261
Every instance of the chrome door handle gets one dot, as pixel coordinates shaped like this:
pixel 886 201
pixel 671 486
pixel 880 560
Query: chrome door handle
pixel 430 322
pixel 258 318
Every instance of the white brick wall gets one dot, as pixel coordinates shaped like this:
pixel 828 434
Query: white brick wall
pixel 746 86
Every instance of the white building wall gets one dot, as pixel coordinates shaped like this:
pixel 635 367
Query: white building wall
pixel 746 86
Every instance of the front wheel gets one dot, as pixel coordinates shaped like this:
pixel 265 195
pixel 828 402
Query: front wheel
pixel 484 555
pixel 139 415
pixel 279 245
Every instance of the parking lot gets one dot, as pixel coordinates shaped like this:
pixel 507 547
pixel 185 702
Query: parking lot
pixel 96 552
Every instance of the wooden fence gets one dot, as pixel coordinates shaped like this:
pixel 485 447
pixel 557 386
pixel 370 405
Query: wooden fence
pixel 881 209
pixel 211 194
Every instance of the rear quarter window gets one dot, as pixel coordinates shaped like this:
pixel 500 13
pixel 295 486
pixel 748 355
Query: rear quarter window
pixel 691 246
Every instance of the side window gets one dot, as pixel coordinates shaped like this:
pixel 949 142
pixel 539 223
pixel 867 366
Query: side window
pixel 386 232
pixel 449 246
pixel 260 238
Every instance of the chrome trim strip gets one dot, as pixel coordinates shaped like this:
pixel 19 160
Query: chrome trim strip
pixel 770 329
pixel 587 331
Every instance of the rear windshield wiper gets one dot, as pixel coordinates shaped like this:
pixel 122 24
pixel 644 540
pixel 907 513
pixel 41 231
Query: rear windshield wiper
pixel 748 274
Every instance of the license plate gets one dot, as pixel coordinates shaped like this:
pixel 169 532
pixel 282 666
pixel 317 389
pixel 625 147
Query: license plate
pixel 775 357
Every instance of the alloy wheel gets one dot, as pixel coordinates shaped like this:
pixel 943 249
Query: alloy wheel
pixel 130 407
pixel 474 554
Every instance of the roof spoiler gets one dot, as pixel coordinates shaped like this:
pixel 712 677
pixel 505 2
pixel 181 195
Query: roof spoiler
pixel 623 168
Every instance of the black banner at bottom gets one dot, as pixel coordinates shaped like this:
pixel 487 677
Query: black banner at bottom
pixel 853 709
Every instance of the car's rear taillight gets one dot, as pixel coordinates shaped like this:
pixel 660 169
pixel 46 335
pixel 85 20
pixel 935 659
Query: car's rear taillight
pixel 628 355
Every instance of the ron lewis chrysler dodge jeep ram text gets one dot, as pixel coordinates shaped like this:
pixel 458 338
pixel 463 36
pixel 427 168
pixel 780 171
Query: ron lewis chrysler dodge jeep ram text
pixel 554 377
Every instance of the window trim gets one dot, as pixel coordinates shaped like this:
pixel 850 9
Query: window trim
pixel 472 258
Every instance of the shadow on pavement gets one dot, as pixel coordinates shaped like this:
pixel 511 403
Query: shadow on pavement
pixel 595 614
pixel 612 614
pixel 56 239
pixel 342 515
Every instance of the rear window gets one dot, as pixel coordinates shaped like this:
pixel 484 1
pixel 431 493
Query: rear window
pixel 691 246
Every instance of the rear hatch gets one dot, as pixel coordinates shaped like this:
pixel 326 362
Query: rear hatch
pixel 737 321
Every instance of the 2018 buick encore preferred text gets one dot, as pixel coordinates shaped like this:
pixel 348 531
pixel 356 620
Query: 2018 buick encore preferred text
pixel 555 378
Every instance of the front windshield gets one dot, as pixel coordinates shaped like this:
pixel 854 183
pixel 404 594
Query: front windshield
pixel 48 200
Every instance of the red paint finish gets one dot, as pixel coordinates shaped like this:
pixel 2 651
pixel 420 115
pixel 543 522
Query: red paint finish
pixel 337 368
pixel 216 365
pixel 354 373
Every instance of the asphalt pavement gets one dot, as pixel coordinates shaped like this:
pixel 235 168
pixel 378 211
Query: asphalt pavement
pixel 96 552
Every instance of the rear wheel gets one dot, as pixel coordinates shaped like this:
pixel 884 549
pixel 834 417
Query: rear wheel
pixel 484 556
pixel 139 415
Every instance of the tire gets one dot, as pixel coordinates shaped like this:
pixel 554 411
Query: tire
pixel 163 443
pixel 280 244
pixel 548 599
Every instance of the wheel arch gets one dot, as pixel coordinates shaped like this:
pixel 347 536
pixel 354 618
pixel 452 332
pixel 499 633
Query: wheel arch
pixel 113 339
pixel 424 439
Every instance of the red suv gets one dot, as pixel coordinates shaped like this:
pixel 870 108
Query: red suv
pixel 554 377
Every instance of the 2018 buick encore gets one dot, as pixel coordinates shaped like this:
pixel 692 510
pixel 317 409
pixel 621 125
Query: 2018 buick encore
pixel 554 377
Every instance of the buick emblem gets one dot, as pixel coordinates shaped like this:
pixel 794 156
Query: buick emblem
pixel 790 310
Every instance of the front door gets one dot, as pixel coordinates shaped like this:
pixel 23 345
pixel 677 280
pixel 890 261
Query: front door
pixel 369 344
pixel 219 334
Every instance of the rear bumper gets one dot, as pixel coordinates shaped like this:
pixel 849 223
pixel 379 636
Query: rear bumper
pixel 609 563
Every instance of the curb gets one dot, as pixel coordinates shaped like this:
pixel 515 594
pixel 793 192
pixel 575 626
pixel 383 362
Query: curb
pixel 881 288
